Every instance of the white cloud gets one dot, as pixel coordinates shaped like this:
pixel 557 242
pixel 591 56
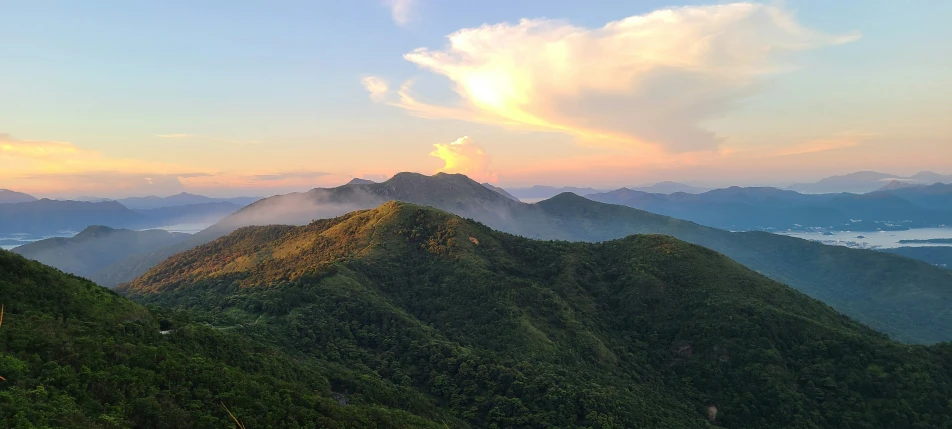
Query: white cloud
pixel 464 156
pixel 400 10
pixel 645 81
pixel 376 86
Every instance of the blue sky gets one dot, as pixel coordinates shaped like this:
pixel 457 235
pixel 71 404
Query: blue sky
pixel 268 88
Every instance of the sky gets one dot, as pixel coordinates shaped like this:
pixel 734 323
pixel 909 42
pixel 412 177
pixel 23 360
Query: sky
pixel 114 98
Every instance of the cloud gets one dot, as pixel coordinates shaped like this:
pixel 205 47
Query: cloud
pixel 11 147
pixel 643 82
pixel 465 157
pixel 376 86
pixel 400 10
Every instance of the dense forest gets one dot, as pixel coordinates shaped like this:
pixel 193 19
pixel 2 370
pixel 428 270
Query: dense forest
pixel 503 331
pixel 76 355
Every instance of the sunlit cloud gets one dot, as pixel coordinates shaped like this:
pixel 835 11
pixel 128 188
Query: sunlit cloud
pixel 376 86
pixel 400 10
pixel 645 82
pixel 14 148
pixel 63 169
pixel 465 157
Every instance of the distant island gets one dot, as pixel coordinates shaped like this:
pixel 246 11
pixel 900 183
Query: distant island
pixel 928 240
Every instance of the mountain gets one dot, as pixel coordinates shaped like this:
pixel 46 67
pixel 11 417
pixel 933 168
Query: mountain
pixel 898 184
pixel 182 199
pixel 860 183
pixel 904 298
pixel 937 196
pixel 539 192
pixel 866 181
pixel 940 256
pixel 50 217
pixel 358 181
pixel 95 248
pixel 928 177
pixel 203 214
pixel 737 208
pixel 76 355
pixel 671 188
pixel 11 197
pixel 504 331
pixel 501 191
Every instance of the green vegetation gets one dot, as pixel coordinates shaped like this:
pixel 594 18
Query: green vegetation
pixel 76 355
pixel 96 248
pixel 503 331
pixel 906 299
pixel 928 241
pixel 936 255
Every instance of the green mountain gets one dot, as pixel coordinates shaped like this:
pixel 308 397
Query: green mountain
pixel 76 355
pixel 504 331
pixel 909 300
pixel 96 248
pixel 936 255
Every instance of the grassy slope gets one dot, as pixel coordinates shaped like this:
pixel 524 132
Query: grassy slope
pixel 644 331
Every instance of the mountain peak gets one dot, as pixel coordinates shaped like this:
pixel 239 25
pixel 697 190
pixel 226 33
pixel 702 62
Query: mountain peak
pixel 358 181
pixel 12 197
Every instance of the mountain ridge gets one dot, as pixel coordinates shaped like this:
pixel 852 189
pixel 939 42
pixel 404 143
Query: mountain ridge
pixel 680 326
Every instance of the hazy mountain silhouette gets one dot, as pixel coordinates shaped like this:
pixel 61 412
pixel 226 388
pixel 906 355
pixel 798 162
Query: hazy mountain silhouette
pixel 501 191
pixel 670 188
pixel 95 248
pixel 9 197
pixel 182 199
pixel 539 192
pixel 744 209
pixel 866 181
pixel 359 181
pixel 49 217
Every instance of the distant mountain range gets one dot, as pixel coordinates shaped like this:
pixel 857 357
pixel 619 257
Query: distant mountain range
pixel 540 192
pixel 746 209
pixel 182 199
pixel 9 197
pixel 97 247
pixel 501 191
pixel 859 283
pixel 867 181
pixel 55 217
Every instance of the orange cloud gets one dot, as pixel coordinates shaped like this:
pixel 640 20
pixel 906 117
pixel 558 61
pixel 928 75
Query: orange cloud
pixel 644 82
pixel 463 156
pixel 13 148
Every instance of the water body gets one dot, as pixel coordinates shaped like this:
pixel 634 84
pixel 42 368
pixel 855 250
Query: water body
pixel 15 240
pixel 876 240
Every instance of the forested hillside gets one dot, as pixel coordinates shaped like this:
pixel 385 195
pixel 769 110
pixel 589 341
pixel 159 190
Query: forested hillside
pixel 76 355
pixel 909 300
pixel 504 331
